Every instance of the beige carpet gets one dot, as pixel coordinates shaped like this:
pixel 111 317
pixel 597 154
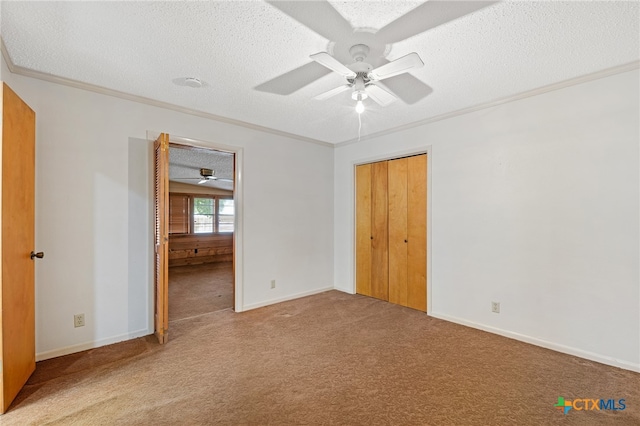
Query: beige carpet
pixel 331 358
pixel 200 289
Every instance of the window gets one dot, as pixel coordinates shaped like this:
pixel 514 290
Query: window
pixel 226 211
pixel 200 214
pixel 203 215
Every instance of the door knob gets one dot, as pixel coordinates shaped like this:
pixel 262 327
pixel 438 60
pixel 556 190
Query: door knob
pixel 39 255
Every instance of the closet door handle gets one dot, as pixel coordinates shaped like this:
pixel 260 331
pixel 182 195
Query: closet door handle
pixel 405 241
pixel 372 237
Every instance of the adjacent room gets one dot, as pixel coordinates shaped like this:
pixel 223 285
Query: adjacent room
pixel 201 221
pixel 320 212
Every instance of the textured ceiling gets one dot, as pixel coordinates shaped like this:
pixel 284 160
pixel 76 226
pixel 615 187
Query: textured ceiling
pixel 185 165
pixel 240 48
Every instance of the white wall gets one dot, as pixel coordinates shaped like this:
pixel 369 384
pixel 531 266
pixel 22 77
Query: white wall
pixel 93 213
pixel 535 204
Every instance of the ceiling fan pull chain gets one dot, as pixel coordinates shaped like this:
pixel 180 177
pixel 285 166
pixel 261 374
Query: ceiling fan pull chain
pixel 359 125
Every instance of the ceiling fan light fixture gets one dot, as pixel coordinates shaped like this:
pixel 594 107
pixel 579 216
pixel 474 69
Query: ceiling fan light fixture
pixel 359 96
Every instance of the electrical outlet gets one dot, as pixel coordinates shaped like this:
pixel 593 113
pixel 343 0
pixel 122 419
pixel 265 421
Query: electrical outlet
pixel 273 283
pixel 78 320
pixel 495 307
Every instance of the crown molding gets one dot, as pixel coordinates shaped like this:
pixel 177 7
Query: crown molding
pixel 16 69
pixel 5 55
pixel 26 72
pixel 529 93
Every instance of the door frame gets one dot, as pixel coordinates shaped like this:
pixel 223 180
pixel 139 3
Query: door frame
pixel 352 176
pixel 238 199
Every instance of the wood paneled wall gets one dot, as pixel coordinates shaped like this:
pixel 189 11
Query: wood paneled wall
pixel 195 249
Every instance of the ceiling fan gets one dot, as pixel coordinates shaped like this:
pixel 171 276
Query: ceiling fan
pixel 208 174
pixel 347 43
pixel 363 79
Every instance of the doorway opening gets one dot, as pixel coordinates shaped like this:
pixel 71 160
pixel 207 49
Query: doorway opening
pixel 201 227
pixel 198 229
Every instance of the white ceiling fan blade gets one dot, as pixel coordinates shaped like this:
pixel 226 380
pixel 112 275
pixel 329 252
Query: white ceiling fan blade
pixel 428 15
pixel 323 58
pixel 202 181
pixel 399 66
pixel 379 95
pixel 332 92
pixel 319 16
pixel 224 180
pixel 294 80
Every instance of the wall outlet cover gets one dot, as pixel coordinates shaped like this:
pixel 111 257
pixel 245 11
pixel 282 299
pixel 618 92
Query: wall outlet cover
pixel 78 320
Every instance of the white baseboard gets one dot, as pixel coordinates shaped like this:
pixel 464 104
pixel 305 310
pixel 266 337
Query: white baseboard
pixel 543 343
pixel 285 298
pixel 346 290
pixel 90 345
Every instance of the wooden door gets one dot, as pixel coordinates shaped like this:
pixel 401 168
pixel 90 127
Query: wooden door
pixel 417 232
pixel 17 319
pixel 372 254
pixel 161 275
pixel 379 232
pixel 398 208
pixel 363 229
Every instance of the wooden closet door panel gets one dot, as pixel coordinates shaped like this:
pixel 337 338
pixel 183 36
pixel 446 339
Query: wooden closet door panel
pixel 417 233
pixel 397 173
pixel 363 229
pixel 380 232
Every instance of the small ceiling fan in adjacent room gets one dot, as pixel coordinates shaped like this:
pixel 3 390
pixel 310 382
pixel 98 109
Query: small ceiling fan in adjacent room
pixel 207 175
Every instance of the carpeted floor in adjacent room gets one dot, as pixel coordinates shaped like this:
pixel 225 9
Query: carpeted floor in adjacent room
pixel 332 358
pixel 200 289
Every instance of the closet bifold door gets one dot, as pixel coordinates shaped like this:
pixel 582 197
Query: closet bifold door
pixel 379 231
pixel 407 183
pixel 391 231
pixel 363 229
pixel 417 232
pixel 397 180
